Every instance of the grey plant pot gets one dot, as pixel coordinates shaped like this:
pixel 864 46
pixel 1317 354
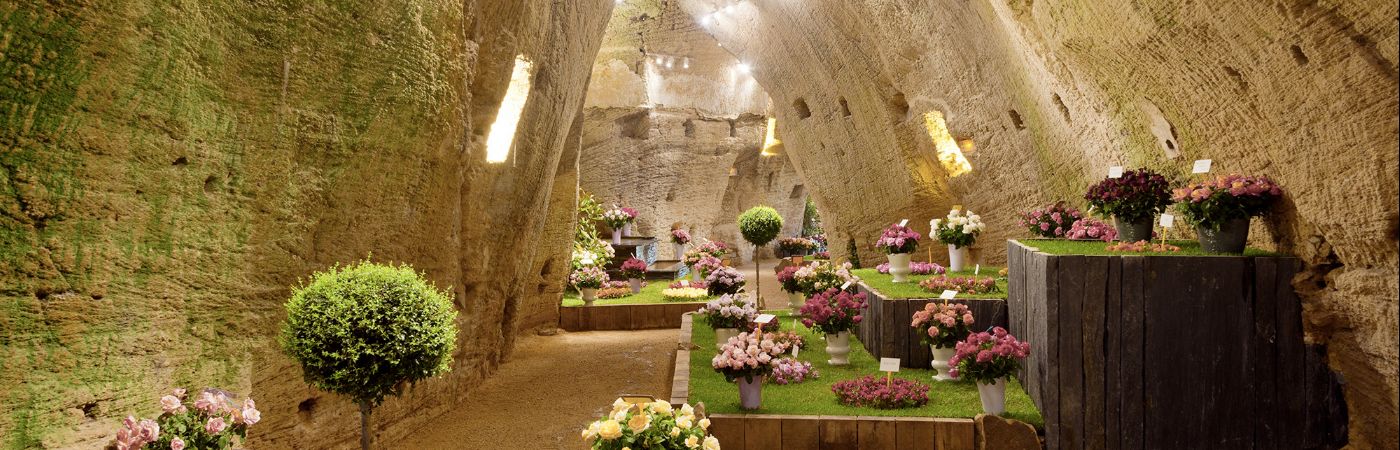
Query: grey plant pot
pixel 1133 231
pixel 1230 239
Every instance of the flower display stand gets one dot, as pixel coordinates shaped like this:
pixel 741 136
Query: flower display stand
pixel 1129 351
pixel 886 332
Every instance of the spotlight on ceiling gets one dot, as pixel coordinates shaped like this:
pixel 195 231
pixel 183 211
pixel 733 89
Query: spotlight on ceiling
pixel 685 64
pixel 669 62
pixel 707 20
pixel 744 68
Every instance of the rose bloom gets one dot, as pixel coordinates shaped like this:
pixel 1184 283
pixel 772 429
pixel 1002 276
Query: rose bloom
pixel 171 404
pixel 177 444
pixel 215 425
pixel 610 430
pixel 639 423
pixel 692 442
pixel 711 443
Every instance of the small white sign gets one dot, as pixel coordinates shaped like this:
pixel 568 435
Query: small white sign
pixel 846 285
pixel 1115 171
pixel 764 319
pixel 977 270
pixel 1201 166
pixel 904 223
pixel 889 364
pixel 948 294
pixel 1168 220
pixel 795 350
pixel 685 283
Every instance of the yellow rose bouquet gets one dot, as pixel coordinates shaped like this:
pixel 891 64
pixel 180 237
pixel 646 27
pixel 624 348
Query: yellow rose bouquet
pixel 650 425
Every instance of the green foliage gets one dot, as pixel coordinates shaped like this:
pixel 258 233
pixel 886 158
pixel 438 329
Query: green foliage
pixel 363 330
pixel 589 250
pixel 760 225
pixel 812 219
pixel 854 252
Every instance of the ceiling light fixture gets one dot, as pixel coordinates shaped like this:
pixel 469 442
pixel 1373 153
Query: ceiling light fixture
pixel 744 68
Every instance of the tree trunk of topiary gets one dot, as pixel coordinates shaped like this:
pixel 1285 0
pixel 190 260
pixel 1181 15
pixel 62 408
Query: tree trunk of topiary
pixel 365 410
pixel 757 282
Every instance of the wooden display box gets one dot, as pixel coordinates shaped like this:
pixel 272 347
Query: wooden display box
pixel 886 332
pixel 1170 352
pixel 624 317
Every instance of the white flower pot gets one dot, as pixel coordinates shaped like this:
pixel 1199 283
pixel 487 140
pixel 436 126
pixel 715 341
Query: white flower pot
pixel 796 300
pixel 957 258
pixel 722 335
pixel 993 396
pixel 838 346
pixel 940 362
pixel 680 250
pixel 750 392
pixel 617 237
pixel 695 275
pixel 589 295
pixel 627 229
pixel 899 267
pixel 636 284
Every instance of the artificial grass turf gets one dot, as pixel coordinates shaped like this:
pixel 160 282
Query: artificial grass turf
pixel 651 293
pixel 948 399
pixel 885 285
pixel 1097 248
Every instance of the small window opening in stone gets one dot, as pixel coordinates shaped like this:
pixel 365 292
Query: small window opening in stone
pixel 949 154
pixel 845 107
pixel 1060 103
pixel 803 111
pixel 733 129
pixel 899 107
pixel 689 128
pixel 1016 120
pixel 502 135
pixel 797 191
pixel 770 138
pixel 1298 55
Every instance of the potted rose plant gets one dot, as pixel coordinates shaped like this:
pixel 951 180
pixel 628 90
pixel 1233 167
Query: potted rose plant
pixel 834 313
pixel 941 326
pixel 747 358
pixel 212 420
pixel 795 248
pixel 724 281
pixel 1133 200
pixel 1220 208
pixel 587 280
pixel 634 270
pixel 1091 228
pixel 616 219
pixel 649 425
pixel 1053 221
pixel 631 219
pixel 788 278
pixel 988 359
pixel 679 237
pixel 898 242
pixel 819 276
pixel 959 230
pixel 727 314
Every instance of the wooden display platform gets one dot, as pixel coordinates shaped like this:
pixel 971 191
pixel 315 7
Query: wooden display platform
pixel 624 317
pixel 1170 352
pixel 886 332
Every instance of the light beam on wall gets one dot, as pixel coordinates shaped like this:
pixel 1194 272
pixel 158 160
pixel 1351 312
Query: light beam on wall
pixel 950 155
pixel 770 139
pixel 502 134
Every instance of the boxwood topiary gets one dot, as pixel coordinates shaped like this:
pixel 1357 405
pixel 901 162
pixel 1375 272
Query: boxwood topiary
pixel 760 225
pixel 364 330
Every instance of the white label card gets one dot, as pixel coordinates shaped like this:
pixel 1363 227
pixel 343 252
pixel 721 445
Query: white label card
pixel 1115 172
pixel 1201 166
pixel 889 364
pixel 977 270
pixel 846 285
pixel 1168 220
pixel 685 283
pixel 904 223
pixel 948 294
pixel 764 318
pixel 795 350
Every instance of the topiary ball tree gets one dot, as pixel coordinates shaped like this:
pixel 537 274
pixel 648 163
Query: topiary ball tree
pixel 760 225
pixel 364 330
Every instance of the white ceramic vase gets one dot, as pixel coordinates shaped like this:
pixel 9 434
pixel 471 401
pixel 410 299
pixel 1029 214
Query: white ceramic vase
pixel 796 300
pixel 589 295
pixel 957 258
pixel 680 251
pixel 636 284
pixel 838 346
pixel 750 392
pixel 940 362
pixel 993 396
pixel 695 275
pixel 899 267
pixel 722 335
pixel 627 229
pixel 617 237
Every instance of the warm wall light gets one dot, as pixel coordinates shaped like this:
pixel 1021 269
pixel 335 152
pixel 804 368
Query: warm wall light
pixel 770 139
pixel 949 154
pixel 502 134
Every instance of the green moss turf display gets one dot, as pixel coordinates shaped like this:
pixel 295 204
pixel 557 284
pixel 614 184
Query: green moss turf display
pixel 651 293
pixel 884 283
pixel 814 397
pixel 1096 248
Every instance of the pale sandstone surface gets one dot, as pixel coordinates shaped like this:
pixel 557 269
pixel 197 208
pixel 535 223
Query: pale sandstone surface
pixel 170 170
pixel 1053 92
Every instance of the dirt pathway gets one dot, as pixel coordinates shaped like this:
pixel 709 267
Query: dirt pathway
pixel 551 388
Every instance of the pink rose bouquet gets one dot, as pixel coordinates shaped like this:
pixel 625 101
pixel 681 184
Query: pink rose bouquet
pixel 1214 202
pixel 679 236
pixel 724 281
pixel 898 239
pixel 707 265
pixel 962 284
pixel 631 213
pixel 1091 228
pixel 687 284
pixel 634 268
pixel 746 356
pixel 729 311
pixel 588 277
pixel 792 371
pixel 943 324
pixel 1053 221
pixel 833 311
pixel 212 421
pixel 985 357
pixel 873 392
pixel 795 246
pixel 916 268
pixel 819 277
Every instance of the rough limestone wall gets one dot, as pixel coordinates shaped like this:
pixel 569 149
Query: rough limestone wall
pixel 1053 92
pixel 674 167
pixel 171 169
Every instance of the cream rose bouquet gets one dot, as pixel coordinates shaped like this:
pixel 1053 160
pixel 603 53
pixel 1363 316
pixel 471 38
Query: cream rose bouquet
pixel 959 228
pixel 650 425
